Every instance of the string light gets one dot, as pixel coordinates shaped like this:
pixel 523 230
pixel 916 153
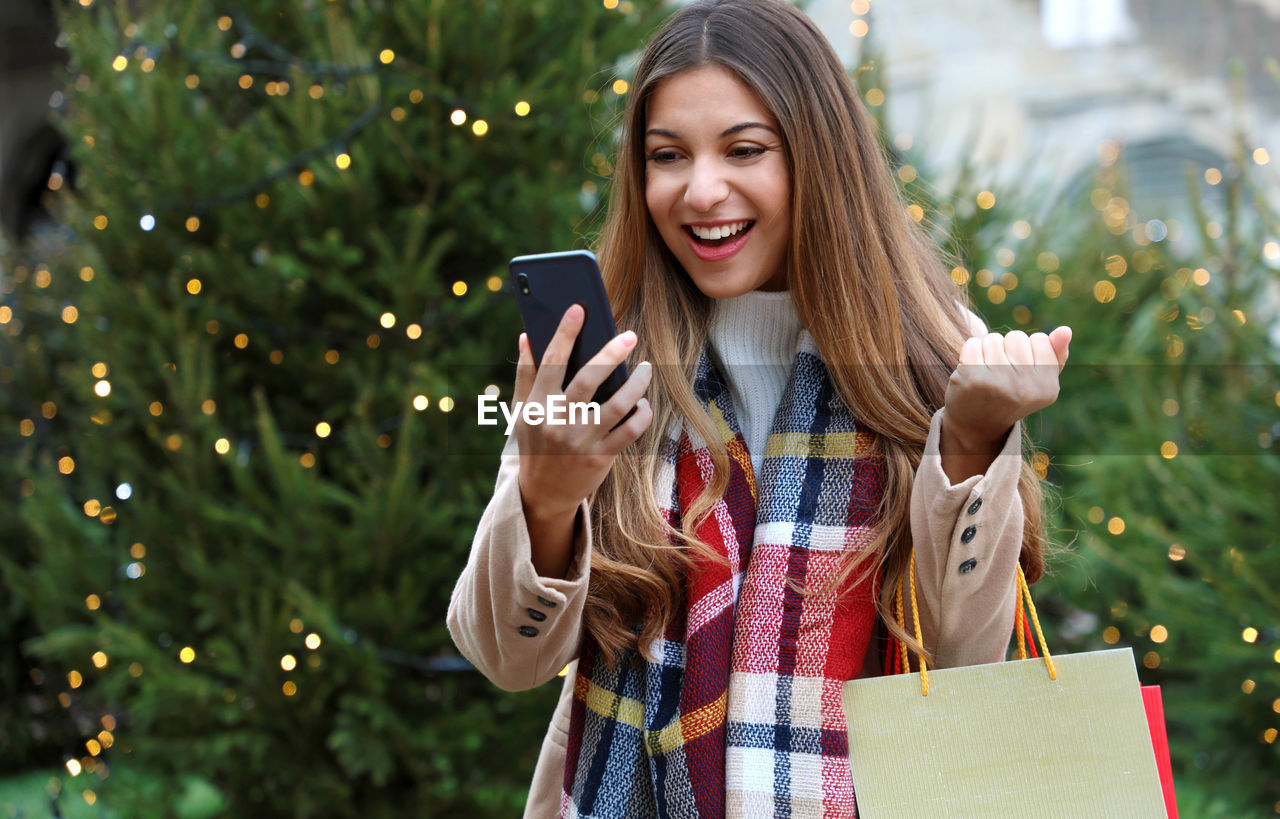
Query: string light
pixel 313 641
pixel 187 654
pixel 479 127
pixel 99 659
pixel 387 320
pixel 458 117
pixel 386 56
pixel 859 28
pixel 420 402
pixel 522 109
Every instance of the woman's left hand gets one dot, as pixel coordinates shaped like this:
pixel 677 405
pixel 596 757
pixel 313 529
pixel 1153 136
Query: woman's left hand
pixel 1001 380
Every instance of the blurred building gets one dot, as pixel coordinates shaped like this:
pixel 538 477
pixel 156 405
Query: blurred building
pixel 1032 90
pixel 29 143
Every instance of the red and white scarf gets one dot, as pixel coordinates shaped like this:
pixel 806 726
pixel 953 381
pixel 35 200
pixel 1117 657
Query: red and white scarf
pixel 741 714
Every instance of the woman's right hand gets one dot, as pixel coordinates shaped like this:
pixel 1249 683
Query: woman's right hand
pixel 561 465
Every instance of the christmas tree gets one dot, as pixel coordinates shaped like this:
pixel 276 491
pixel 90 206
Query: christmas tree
pixel 237 385
pixel 1161 454
pixel 239 487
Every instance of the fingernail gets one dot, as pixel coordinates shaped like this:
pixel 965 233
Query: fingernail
pixel 629 338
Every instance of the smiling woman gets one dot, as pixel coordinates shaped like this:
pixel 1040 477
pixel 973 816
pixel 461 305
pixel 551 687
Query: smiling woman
pixel 822 423
pixel 717 183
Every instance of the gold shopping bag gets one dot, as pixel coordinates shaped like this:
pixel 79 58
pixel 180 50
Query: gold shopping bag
pixel 1064 736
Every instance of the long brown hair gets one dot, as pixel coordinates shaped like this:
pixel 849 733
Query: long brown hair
pixel 867 282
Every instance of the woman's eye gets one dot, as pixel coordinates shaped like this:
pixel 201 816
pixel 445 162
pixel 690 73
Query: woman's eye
pixel 744 153
pixel 662 156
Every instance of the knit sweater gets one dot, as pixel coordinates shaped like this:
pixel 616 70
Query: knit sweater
pixel 755 336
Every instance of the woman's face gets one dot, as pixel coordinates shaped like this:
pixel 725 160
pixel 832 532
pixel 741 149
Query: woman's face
pixel 717 183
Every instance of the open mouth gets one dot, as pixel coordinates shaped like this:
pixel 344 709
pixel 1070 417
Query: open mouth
pixel 719 235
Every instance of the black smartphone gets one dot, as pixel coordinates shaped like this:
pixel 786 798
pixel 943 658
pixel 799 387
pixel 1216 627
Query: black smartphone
pixel 546 285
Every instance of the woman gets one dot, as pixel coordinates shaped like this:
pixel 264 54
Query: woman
pixel 718 579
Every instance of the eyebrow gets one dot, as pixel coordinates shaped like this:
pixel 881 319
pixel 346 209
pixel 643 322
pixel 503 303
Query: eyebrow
pixel 742 126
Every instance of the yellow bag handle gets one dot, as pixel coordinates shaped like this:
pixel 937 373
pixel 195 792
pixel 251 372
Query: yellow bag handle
pixel 1019 619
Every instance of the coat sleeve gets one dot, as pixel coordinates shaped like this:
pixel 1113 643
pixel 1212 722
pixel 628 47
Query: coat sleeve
pixel 517 628
pixel 967 540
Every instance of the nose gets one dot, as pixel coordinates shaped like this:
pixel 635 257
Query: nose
pixel 706 186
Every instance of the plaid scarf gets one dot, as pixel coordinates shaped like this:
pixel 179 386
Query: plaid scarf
pixel 741 713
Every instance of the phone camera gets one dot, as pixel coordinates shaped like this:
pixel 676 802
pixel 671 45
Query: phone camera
pixel 523 282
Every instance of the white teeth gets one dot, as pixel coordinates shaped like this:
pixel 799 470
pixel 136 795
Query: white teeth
pixel 718 232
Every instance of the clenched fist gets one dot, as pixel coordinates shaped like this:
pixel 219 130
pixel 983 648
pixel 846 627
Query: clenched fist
pixel 1001 379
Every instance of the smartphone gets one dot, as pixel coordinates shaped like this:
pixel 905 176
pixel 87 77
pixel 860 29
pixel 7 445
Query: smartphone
pixel 546 285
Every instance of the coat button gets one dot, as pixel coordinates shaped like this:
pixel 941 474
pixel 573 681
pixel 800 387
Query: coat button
pixel 536 616
pixel 968 565
pixel 968 533
pixel 975 506
pixel 542 601
pixel 528 631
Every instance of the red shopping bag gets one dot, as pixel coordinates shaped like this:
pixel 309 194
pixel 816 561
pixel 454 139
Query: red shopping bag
pixel 1154 705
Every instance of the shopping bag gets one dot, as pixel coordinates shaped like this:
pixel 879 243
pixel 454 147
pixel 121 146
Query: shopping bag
pixel 1063 736
pixel 1160 744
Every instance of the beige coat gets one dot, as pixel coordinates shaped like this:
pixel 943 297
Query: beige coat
pixel 520 629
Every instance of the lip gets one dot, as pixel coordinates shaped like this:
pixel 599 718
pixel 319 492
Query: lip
pixel 723 252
